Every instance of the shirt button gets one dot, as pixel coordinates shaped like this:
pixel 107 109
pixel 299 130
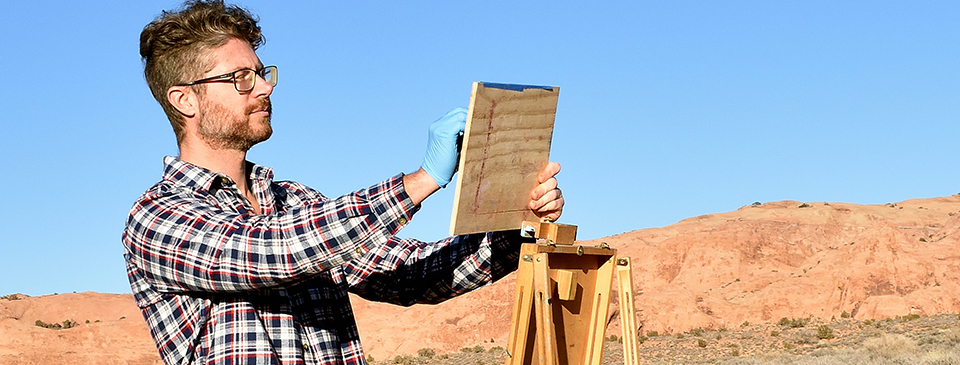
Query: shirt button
pixel 305 347
pixel 224 180
pixel 402 221
pixel 360 250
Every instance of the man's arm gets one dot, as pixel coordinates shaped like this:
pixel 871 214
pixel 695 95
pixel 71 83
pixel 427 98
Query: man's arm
pixel 408 271
pixel 182 241
pixel 419 185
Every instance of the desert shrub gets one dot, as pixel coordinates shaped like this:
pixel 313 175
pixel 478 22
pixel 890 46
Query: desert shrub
pixel 952 336
pixel 909 317
pixel 495 348
pixel 11 297
pixel 734 349
pixel 844 314
pixel 612 338
pixel 696 332
pixel 744 324
pixel 824 332
pixel 56 326
pixel 426 352
pixel 804 205
pixel 404 360
pixel 679 336
pixel 793 323
pixel 652 334
pixel 889 346
pixel 642 339
pixel 478 349
pixel 774 333
pixel 701 343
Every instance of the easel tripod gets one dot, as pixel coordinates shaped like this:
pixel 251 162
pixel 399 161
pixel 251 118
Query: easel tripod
pixel 562 298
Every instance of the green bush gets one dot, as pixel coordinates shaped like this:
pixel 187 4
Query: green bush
pixel 824 332
pixel 696 332
pixel 701 342
pixel 404 360
pixel 57 326
pixel 793 323
pixel 478 349
pixel 426 352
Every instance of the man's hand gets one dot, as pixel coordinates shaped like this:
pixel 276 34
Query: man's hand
pixel 443 154
pixel 545 199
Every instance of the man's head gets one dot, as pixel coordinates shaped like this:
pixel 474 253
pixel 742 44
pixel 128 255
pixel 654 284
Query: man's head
pixel 188 44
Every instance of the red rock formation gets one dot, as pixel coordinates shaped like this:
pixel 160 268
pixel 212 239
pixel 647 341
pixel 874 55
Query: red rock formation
pixel 758 263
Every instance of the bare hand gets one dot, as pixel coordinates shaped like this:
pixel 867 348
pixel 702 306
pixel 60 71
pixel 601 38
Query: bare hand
pixel 545 199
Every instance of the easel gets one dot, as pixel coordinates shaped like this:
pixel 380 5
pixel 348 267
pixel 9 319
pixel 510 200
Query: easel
pixel 563 291
pixel 562 299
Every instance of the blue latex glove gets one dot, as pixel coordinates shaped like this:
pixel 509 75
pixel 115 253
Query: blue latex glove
pixel 443 150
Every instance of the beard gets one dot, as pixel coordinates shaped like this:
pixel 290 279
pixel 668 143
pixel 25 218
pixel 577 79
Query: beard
pixel 222 129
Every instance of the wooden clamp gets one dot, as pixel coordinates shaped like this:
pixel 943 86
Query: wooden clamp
pixel 554 233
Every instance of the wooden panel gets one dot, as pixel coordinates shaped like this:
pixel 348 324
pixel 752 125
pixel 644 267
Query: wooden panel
pixel 506 143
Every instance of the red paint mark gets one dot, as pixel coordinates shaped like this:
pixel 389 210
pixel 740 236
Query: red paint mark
pixel 483 161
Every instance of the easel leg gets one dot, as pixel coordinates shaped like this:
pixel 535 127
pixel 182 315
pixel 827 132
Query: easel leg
pixel 520 336
pixel 543 304
pixel 627 311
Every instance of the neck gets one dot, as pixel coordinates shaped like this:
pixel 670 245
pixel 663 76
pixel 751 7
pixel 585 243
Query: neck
pixel 227 162
pixel 231 163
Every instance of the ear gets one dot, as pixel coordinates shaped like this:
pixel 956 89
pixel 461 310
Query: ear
pixel 184 99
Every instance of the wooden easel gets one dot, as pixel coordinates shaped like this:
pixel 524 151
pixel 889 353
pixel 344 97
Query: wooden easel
pixel 562 299
pixel 563 291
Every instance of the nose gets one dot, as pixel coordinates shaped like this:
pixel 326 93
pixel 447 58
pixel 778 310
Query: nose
pixel 262 88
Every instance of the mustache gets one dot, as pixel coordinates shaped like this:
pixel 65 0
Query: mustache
pixel 262 105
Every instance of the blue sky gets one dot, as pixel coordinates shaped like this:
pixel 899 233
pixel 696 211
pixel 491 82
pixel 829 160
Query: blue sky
pixel 667 110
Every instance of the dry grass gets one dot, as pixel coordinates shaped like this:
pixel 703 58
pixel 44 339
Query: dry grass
pixel 931 340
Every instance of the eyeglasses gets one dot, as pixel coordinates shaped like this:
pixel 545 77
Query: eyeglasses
pixel 243 80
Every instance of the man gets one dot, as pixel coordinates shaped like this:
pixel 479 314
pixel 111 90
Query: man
pixel 231 267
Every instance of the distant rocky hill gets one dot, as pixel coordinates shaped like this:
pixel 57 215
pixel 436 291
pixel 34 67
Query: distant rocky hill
pixel 760 263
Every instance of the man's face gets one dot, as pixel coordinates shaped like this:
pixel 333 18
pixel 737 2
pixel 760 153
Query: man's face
pixel 229 119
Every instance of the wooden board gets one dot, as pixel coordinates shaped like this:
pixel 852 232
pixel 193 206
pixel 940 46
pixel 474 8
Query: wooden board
pixel 505 145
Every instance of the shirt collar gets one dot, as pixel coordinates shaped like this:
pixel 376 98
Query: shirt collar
pixel 199 178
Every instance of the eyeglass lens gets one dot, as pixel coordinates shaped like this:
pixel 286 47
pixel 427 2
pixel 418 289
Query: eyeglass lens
pixel 246 79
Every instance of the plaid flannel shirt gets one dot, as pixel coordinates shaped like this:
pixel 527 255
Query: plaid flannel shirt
pixel 219 284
